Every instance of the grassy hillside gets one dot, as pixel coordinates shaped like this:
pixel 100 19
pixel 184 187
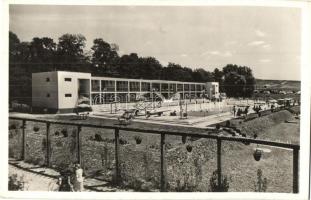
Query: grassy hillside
pixel 278 84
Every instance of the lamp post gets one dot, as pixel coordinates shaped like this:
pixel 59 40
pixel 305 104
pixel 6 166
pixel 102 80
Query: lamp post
pixel 126 100
pixel 153 90
pixel 103 95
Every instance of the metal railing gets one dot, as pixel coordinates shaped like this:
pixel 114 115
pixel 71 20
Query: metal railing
pixel 117 128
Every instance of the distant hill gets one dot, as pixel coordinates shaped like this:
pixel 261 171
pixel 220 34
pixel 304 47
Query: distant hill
pixel 278 84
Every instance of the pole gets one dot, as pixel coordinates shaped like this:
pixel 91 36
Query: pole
pixel 295 170
pixel 117 150
pixel 79 144
pixel 219 161
pixel 163 178
pixel 23 140
pixel 48 144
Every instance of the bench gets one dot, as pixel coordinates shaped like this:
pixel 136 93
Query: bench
pixel 82 115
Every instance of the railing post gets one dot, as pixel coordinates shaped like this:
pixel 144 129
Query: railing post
pixel 295 170
pixel 79 144
pixel 117 150
pixel 23 140
pixel 48 144
pixel 219 161
pixel 163 170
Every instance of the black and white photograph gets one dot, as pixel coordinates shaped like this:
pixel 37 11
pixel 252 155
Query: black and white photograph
pixel 128 99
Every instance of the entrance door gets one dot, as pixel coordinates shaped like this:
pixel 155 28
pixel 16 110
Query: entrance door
pixel 84 91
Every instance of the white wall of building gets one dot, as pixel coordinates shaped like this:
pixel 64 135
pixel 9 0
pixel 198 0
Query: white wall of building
pixel 45 90
pixel 66 87
pixel 213 89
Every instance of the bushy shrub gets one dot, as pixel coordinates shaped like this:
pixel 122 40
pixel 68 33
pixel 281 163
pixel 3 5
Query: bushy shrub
pixel 123 141
pixel 56 133
pixel 138 139
pixel 189 148
pixel 64 132
pixel 15 184
pixel 12 127
pixel 98 138
pixel 36 129
pixel 214 187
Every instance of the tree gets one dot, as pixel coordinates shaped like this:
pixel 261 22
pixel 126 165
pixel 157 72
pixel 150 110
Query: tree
pixel 14 43
pixel 176 72
pixel 218 74
pixel 42 54
pixel 234 84
pixel 129 66
pixel 70 55
pixel 238 81
pixel 104 57
pixel 201 75
pixel 149 68
pixel 172 72
pixel 19 70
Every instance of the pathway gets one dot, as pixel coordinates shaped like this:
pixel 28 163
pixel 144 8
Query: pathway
pixel 38 178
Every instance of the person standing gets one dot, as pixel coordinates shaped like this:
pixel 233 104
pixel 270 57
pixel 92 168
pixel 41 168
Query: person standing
pixel 78 179
pixel 234 110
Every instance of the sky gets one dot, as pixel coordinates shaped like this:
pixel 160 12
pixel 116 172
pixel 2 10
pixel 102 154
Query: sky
pixel 266 39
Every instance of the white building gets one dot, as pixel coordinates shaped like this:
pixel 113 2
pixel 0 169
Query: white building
pixel 213 89
pixel 60 91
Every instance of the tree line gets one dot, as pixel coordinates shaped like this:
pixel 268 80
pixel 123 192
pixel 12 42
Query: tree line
pixel 43 54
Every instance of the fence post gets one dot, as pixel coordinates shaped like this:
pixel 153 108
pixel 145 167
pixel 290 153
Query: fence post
pixel 219 161
pixel 79 144
pixel 295 170
pixel 23 140
pixel 48 144
pixel 117 149
pixel 163 178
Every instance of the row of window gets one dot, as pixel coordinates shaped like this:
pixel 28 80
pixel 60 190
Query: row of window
pixel 135 86
pixel 124 86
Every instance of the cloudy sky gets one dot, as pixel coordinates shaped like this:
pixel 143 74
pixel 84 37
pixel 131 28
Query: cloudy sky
pixel 266 39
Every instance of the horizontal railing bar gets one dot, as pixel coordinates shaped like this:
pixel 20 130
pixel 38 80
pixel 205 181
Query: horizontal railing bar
pixel 200 135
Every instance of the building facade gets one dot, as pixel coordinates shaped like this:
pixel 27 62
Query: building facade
pixel 62 91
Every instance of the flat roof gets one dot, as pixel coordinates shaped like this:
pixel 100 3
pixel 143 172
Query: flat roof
pixel 129 79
